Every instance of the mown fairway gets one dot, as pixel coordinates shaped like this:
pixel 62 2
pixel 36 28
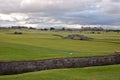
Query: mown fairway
pixel 35 45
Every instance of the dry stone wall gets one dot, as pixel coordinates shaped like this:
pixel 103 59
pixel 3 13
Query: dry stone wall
pixel 17 67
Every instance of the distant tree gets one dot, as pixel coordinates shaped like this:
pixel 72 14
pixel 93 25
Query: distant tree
pixel 52 28
pixel 31 28
pixel 41 29
pixel 19 27
pixel 63 29
pixel 45 29
pixel 92 29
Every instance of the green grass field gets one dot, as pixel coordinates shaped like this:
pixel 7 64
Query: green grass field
pixel 91 73
pixel 36 45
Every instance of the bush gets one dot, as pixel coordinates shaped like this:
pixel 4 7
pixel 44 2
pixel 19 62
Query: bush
pixel 18 33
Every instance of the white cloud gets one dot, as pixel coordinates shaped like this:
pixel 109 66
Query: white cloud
pixel 19 16
pixel 6 17
pixel 13 17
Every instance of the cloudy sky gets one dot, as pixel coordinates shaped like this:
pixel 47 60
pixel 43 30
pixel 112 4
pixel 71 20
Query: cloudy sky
pixel 66 13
